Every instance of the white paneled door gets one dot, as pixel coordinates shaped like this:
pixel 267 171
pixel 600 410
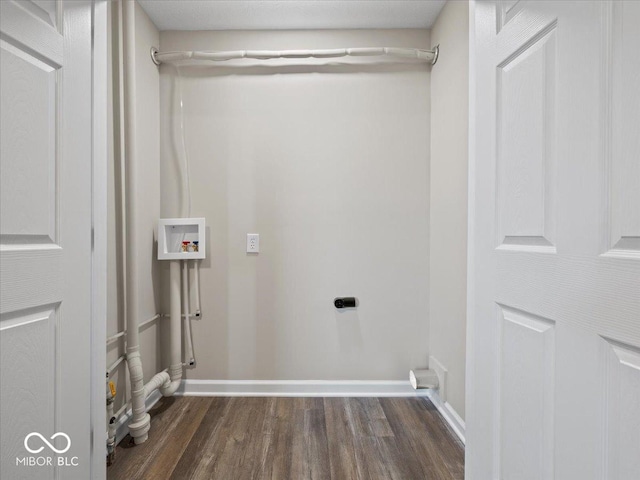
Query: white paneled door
pixel 554 298
pixel 45 238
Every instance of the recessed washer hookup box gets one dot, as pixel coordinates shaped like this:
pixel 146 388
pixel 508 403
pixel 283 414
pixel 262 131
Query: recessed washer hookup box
pixel 181 239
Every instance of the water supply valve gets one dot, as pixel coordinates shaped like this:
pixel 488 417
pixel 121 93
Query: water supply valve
pixel 181 238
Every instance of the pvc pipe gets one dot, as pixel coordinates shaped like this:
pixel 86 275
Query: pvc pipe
pixel 175 334
pixel 114 337
pixel 160 381
pixel 365 52
pixel 170 57
pixel 111 431
pixel 181 315
pixel 187 320
pixel 147 322
pixel 174 311
pixel 139 426
pixel 122 409
pixel 221 56
pixel 168 382
pixel 113 366
pixel 196 285
pixel 112 424
pixel 127 406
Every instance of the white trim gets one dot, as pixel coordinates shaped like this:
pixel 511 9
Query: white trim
pixel 298 388
pixel 122 425
pixel 98 352
pixel 471 247
pixel 449 414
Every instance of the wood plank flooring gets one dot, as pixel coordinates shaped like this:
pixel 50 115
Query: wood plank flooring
pixel 237 438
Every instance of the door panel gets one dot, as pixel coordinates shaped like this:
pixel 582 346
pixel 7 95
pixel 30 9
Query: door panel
pixel 554 306
pixel 27 343
pixel 526 156
pixel 526 395
pixel 622 78
pixel 45 233
pixel 28 89
pixel 30 59
pixel 622 427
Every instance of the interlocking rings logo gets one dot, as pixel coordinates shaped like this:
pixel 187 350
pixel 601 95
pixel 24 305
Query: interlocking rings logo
pixel 55 435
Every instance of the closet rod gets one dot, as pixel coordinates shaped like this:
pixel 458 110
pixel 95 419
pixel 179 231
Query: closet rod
pixel 220 56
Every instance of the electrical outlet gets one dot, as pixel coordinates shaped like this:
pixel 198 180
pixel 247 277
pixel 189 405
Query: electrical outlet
pixel 253 243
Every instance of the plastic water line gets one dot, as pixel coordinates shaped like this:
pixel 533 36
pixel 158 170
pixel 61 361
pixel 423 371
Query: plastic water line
pixel 114 337
pixel 186 179
pixel 196 285
pixel 186 316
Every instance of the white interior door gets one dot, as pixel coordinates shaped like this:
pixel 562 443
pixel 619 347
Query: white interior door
pixel 554 298
pixel 45 237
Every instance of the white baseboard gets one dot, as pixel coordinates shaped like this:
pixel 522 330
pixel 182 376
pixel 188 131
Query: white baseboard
pixel 448 412
pixel 298 388
pixel 122 427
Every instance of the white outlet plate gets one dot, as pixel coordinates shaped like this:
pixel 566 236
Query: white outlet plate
pixel 253 243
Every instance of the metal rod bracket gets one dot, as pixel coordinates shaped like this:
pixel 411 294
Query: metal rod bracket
pixel 153 52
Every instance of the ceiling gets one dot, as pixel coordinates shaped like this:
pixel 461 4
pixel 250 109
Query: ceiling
pixel 291 14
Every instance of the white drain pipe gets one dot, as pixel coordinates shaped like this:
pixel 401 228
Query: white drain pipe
pixel 167 382
pixel 139 425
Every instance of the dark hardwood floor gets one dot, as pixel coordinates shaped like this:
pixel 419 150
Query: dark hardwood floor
pixel 293 438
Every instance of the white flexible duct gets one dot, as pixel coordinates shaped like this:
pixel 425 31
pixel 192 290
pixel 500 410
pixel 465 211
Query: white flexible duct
pixel 184 167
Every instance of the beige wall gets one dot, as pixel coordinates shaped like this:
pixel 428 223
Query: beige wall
pixel 148 123
pixel 330 165
pixel 448 238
